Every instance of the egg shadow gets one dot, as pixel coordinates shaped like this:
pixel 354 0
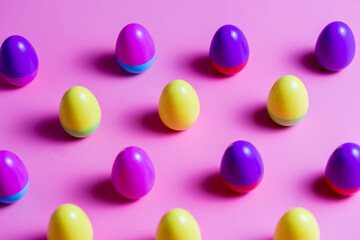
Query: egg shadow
pixel 38 237
pixel 201 64
pixel 308 60
pixel 260 116
pixel 214 184
pixel 150 120
pixel 51 129
pixel 107 63
pixel 320 188
pixel 104 191
pixel 5 86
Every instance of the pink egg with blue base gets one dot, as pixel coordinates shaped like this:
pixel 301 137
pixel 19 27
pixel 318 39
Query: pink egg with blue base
pixel 14 178
pixel 19 63
pixel 135 49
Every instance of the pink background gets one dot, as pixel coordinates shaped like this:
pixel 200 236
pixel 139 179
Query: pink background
pixel 75 42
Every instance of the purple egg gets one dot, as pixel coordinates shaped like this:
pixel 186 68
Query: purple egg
pixel 241 167
pixel 133 173
pixel 229 50
pixel 19 63
pixel 343 169
pixel 14 178
pixel 335 46
pixel 135 49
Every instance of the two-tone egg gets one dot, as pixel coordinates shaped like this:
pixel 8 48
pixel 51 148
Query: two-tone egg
pixel 19 63
pixel 288 101
pixel 242 167
pixel 79 112
pixel 229 50
pixel 14 178
pixel 135 49
pixel 133 173
pixel 342 171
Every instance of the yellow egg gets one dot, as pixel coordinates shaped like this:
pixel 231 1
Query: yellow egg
pixel 178 224
pixel 179 105
pixel 79 112
pixel 69 222
pixel 288 101
pixel 297 224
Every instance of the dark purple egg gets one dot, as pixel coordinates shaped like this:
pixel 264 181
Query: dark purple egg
pixel 242 167
pixel 335 46
pixel 229 50
pixel 343 169
pixel 18 61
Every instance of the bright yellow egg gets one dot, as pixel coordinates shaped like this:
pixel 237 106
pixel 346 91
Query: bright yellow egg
pixel 297 224
pixel 178 224
pixel 288 101
pixel 79 112
pixel 179 105
pixel 69 222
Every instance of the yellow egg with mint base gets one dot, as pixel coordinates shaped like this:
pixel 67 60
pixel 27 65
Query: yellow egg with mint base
pixel 179 105
pixel 288 101
pixel 69 222
pixel 79 112
pixel 297 224
pixel 178 224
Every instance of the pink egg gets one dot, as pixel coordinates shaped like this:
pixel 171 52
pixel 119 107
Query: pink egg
pixel 133 173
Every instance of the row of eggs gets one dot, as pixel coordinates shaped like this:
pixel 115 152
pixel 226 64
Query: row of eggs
pixel 241 168
pixel 135 51
pixel 69 222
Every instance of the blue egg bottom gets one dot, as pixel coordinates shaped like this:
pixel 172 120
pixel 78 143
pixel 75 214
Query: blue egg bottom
pixel 14 198
pixel 137 69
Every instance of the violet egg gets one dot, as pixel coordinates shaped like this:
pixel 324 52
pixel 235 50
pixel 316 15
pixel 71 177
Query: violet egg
pixel 133 173
pixel 342 171
pixel 229 50
pixel 19 63
pixel 242 168
pixel 135 49
pixel 14 178
pixel 335 46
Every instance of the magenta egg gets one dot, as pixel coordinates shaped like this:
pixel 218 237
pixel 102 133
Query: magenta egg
pixel 14 178
pixel 133 173
pixel 135 49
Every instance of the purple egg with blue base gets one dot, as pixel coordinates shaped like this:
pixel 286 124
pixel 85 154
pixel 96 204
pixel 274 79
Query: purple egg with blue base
pixel 19 63
pixel 135 49
pixel 242 167
pixel 229 50
pixel 14 178
pixel 342 171
pixel 335 46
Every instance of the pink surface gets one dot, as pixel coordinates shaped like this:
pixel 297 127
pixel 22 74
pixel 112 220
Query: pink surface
pixel 75 43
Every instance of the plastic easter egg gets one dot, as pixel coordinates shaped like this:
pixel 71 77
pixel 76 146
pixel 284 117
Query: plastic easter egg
pixel 342 171
pixel 133 173
pixel 178 224
pixel 69 222
pixel 297 224
pixel 179 105
pixel 19 63
pixel 288 101
pixel 79 112
pixel 335 46
pixel 242 168
pixel 229 50
pixel 14 178
pixel 135 49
